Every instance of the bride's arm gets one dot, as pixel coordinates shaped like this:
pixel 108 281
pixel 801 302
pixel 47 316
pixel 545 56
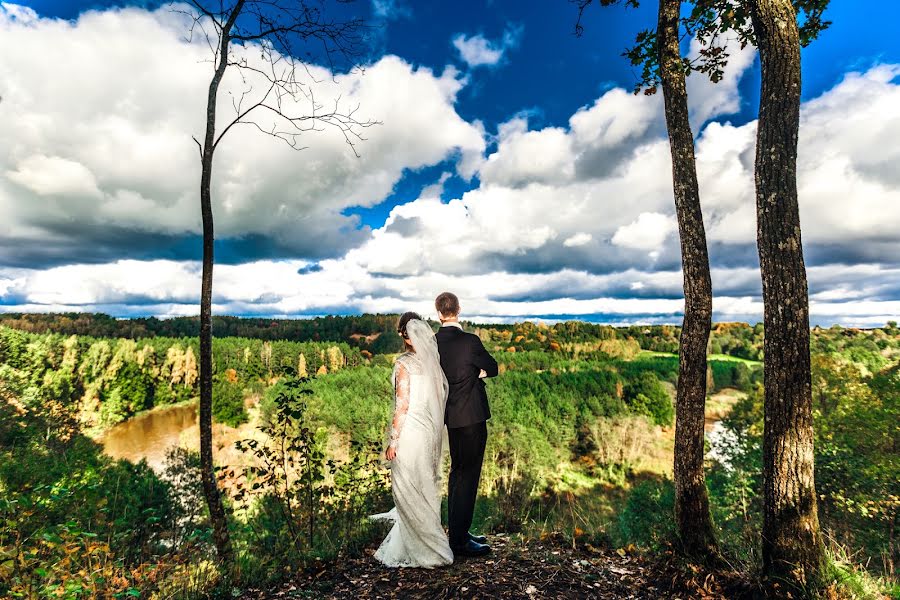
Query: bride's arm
pixel 401 406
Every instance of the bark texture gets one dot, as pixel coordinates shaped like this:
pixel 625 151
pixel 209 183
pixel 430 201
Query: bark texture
pixel 792 543
pixel 207 472
pixel 694 523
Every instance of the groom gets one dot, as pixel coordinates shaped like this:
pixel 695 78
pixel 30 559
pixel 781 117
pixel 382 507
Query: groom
pixel 465 363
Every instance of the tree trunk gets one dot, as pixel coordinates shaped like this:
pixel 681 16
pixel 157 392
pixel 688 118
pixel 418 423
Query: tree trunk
pixel 695 527
pixel 792 544
pixel 207 472
pixel 210 488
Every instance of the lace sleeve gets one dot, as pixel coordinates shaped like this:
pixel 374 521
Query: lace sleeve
pixel 401 403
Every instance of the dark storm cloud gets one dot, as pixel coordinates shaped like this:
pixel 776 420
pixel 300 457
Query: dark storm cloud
pixel 598 257
pixel 13 298
pixel 733 256
pixel 317 245
pixel 886 287
pixel 95 243
pixel 576 287
pixel 737 283
pixel 310 268
pixel 870 251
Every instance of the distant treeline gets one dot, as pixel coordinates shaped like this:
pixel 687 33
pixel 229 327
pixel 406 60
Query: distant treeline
pixel 111 379
pixel 376 333
pixel 363 331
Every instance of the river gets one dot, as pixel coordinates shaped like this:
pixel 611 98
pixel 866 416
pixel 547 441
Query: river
pixel 150 435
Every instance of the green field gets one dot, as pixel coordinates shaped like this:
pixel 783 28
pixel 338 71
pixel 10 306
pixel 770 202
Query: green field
pixel 723 357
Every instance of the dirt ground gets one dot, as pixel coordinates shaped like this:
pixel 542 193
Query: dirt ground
pixel 550 568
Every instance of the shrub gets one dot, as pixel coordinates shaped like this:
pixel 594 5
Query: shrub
pixel 182 472
pixel 618 447
pixel 647 519
pixel 71 519
pixel 298 503
pixel 228 403
pixel 729 374
pixel 646 396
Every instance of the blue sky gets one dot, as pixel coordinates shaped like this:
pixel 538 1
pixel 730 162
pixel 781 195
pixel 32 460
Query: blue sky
pixel 512 164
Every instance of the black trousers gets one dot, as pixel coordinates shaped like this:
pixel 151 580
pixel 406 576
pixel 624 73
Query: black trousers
pixel 466 455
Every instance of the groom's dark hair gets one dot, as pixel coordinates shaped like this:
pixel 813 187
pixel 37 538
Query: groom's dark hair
pixel 447 304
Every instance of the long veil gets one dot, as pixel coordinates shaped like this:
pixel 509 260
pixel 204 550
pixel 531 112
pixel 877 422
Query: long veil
pixel 416 537
pixel 422 338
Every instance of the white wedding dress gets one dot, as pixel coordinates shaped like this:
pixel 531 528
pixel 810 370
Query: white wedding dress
pixel 420 396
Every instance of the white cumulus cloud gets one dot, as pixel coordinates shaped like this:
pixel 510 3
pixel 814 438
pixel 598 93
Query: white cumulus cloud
pixel 579 239
pixel 105 109
pixel 575 218
pixel 477 51
pixel 647 232
pixel 54 176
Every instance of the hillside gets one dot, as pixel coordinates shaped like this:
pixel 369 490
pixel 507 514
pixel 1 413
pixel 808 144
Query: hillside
pixel 575 482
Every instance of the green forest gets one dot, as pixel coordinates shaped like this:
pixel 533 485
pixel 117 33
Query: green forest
pixel 580 445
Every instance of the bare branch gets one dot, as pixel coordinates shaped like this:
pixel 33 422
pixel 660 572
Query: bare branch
pixel 207 13
pixel 241 115
pixel 583 4
pixel 284 32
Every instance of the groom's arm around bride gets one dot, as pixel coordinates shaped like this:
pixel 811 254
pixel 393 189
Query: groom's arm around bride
pixel 463 358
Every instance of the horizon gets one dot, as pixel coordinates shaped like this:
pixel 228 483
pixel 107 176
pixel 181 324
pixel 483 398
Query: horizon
pixel 533 198
pixel 477 320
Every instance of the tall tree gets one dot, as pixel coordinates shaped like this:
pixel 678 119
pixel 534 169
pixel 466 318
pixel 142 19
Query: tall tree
pixel 278 31
pixel 792 543
pixel 792 547
pixel 692 516
pixel 667 67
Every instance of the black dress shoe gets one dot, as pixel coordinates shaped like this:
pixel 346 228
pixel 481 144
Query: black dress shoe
pixel 478 539
pixel 471 549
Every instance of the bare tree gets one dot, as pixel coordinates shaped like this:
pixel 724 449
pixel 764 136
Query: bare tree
pixel 278 99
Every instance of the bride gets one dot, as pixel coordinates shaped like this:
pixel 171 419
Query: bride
pixel 420 396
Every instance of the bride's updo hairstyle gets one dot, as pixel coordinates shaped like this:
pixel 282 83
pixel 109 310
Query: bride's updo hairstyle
pixel 405 318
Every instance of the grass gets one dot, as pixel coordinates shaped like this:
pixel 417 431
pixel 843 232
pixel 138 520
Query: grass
pixel 657 459
pixel 652 354
pixel 592 512
pixel 728 357
pixel 722 357
pixel 844 577
pixel 718 405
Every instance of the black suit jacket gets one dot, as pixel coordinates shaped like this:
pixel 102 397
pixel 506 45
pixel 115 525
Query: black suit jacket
pixel 462 358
